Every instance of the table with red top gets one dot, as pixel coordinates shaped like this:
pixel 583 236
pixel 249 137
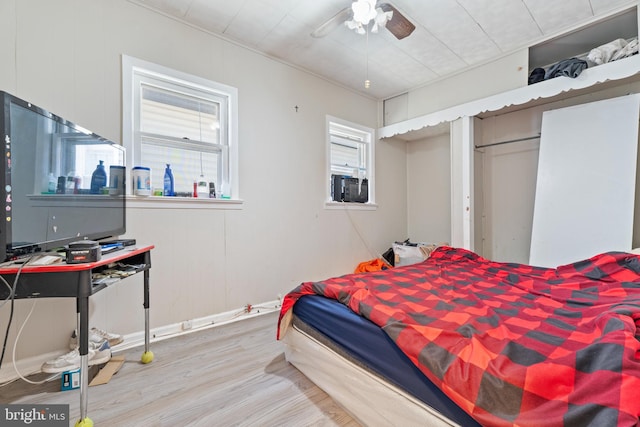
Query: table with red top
pixel 78 281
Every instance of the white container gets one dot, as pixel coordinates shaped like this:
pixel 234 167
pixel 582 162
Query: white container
pixel 202 188
pixel 141 181
pixel 116 180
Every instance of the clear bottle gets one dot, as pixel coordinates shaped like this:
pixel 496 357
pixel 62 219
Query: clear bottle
pixel 51 188
pixel 98 179
pixel 168 182
pixel 70 183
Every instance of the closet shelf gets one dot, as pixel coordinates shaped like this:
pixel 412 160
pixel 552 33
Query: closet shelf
pixel 617 72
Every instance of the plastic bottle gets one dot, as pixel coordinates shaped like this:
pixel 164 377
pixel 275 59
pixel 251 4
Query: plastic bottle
pixel 202 189
pixel 70 182
pixel 51 188
pixel 98 179
pixel 168 181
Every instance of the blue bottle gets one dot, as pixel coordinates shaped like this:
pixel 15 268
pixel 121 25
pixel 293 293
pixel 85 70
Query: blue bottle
pixel 168 182
pixel 98 179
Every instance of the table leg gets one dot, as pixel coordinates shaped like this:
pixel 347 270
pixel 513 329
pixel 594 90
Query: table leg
pixel 78 321
pixel 83 335
pixel 146 310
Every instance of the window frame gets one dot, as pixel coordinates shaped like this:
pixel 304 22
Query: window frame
pixel 369 141
pixel 136 72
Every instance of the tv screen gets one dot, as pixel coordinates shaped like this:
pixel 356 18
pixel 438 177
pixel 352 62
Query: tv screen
pixel 61 182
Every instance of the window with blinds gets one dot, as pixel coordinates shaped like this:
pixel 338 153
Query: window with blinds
pixel 183 131
pixel 180 120
pixel 350 151
pixel 348 154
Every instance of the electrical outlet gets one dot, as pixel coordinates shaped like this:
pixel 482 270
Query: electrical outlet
pixel 186 325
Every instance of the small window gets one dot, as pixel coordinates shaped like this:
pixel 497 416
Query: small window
pixel 351 159
pixel 181 120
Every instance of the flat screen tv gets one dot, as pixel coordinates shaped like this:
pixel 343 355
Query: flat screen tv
pixel 46 180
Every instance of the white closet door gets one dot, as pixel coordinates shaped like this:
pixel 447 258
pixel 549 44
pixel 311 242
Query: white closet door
pixel 585 188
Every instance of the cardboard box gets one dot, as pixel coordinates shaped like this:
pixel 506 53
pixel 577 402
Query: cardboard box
pixel 108 370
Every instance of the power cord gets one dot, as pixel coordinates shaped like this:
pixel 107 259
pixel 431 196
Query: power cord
pixel 6 300
pixel 15 345
pixel 364 241
pixel 11 297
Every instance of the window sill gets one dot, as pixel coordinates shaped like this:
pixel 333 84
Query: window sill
pixel 159 202
pixel 351 206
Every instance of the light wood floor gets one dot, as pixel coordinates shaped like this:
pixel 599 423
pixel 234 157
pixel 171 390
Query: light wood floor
pixel 231 375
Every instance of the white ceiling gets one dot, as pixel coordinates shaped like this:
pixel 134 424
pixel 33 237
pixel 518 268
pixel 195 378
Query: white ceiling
pixel 450 35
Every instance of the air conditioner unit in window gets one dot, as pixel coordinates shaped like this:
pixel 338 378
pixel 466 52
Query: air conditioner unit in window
pixel 347 189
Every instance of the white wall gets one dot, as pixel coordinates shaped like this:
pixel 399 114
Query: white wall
pixel 66 56
pixel 509 183
pixel 505 73
pixel 429 189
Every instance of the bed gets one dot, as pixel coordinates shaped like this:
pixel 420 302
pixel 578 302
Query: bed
pixel 462 340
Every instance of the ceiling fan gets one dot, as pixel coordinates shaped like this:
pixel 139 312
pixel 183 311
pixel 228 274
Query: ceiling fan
pixel 361 12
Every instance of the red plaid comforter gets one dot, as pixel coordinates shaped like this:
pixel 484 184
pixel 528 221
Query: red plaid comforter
pixel 511 344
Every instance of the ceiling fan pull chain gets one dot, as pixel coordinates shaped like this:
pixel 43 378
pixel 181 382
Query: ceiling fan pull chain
pixel 367 82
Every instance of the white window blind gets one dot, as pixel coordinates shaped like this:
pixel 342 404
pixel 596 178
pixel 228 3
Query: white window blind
pixel 347 156
pixel 348 151
pixel 188 122
pixel 183 131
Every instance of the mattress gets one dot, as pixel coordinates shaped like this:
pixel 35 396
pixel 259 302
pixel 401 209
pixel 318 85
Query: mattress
pixel 366 345
pixel 510 344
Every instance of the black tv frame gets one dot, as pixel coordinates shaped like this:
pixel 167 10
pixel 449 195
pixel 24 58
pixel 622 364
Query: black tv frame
pixel 10 249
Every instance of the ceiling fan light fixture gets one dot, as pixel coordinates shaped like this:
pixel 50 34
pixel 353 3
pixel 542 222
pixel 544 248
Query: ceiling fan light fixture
pixel 381 19
pixel 356 26
pixel 364 12
pixel 358 16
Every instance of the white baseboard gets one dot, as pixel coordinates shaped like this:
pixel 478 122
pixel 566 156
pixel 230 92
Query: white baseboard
pixel 136 339
pixel 32 365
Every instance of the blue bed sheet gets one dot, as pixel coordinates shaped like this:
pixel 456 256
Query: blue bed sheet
pixel 369 346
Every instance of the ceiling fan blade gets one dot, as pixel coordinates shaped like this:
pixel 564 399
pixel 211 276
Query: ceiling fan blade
pixel 333 23
pixel 398 25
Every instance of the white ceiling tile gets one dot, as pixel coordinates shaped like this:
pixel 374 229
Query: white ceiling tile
pixel 286 38
pixel 431 52
pixel 454 27
pixel 316 12
pixel 213 16
pixel 507 22
pixel 383 54
pixel 601 7
pixel 254 22
pixel 553 15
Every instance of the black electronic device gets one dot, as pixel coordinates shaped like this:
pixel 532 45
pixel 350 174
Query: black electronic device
pixel 83 251
pixel 347 189
pixel 45 176
pixel 337 188
pixel 122 242
pixel 356 190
